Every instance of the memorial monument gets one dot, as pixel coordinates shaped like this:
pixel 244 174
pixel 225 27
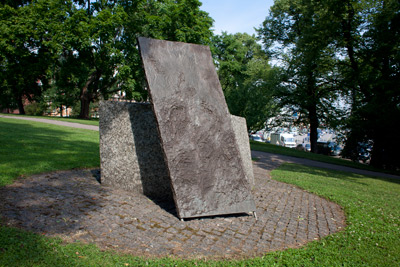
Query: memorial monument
pixel 131 153
pixel 198 140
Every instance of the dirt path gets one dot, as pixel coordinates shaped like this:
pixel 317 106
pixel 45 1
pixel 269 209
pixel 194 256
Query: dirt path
pixel 55 122
pixel 276 160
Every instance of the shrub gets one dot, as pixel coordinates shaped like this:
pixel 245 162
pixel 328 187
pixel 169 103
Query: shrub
pixel 36 109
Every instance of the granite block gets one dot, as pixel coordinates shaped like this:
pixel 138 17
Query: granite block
pixel 242 138
pixel 130 149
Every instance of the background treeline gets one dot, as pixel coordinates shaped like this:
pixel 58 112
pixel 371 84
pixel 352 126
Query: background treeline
pixel 340 68
pixel 81 50
pixel 337 62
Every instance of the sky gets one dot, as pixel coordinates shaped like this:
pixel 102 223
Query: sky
pixel 235 16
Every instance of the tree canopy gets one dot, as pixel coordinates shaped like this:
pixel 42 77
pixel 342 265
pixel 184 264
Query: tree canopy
pixel 246 77
pixel 339 60
pixel 296 33
pixel 87 49
pixel 341 53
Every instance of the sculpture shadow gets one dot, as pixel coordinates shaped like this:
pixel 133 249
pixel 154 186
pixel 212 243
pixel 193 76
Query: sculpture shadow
pixel 53 202
pixel 154 173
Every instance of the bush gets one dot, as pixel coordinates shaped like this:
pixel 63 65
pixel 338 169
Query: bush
pixel 36 109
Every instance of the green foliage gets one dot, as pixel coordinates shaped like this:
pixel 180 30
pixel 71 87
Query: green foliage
pixel 299 35
pixel 86 50
pixel 375 93
pixel 246 77
pixel 341 52
pixel 24 54
pixel 180 20
pixel 36 108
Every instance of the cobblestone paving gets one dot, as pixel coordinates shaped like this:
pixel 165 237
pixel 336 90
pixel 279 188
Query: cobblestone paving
pixel 74 206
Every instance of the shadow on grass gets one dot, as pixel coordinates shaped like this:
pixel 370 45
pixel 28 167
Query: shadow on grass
pixel 335 174
pixel 269 148
pixel 321 172
pixel 52 203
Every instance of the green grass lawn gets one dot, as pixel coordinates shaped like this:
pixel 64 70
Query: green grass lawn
pixel 371 206
pixel 30 147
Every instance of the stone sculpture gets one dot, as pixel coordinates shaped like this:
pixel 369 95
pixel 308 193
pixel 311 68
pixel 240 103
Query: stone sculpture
pixel 131 153
pixel 200 148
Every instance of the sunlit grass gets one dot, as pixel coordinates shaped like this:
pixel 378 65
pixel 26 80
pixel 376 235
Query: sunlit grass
pixel 30 147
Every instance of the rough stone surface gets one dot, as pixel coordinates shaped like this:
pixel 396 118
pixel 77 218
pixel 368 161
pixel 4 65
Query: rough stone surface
pixel 120 145
pixel 200 148
pixel 242 138
pixel 72 205
pixel 130 150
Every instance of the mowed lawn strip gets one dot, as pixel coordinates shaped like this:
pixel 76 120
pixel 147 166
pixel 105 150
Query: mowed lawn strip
pixel 371 206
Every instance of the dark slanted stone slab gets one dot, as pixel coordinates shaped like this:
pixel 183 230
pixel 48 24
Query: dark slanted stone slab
pixel 195 127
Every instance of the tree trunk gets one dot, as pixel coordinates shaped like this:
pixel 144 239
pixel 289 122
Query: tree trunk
pixel 20 105
pixel 313 128
pixel 312 107
pixel 86 96
pixel 349 45
pixel 85 107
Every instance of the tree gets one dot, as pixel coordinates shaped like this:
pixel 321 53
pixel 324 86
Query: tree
pixel 180 20
pixel 246 77
pixel 102 41
pixel 25 56
pixel 87 46
pixel 347 48
pixel 376 67
pixel 90 59
pixel 297 33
